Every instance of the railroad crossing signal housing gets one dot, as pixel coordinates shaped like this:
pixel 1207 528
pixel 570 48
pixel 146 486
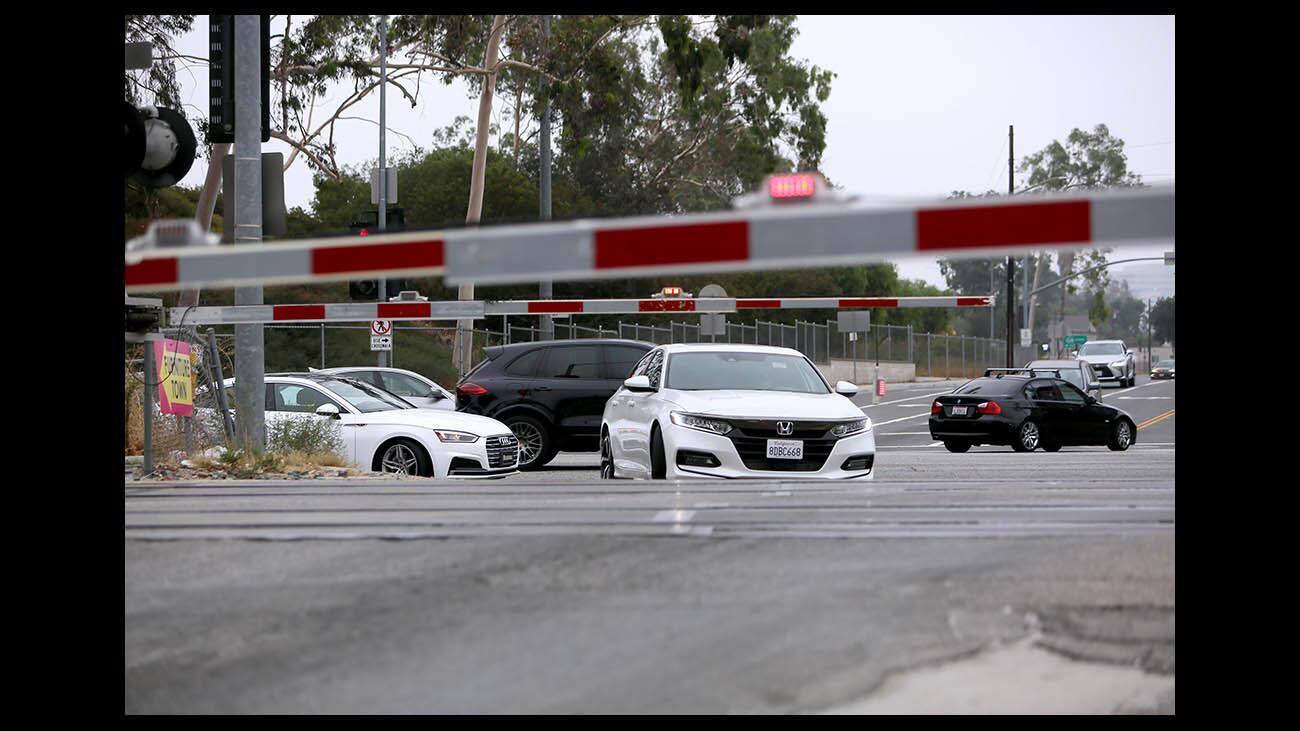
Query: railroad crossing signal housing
pixel 368 289
pixel 221 78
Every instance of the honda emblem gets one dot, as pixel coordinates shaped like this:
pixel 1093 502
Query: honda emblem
pixel 785 428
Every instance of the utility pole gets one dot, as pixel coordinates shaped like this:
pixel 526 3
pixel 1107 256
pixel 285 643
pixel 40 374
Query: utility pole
pixel 250 360
pixel 544 288
pixel 1011 260
pixel 383 170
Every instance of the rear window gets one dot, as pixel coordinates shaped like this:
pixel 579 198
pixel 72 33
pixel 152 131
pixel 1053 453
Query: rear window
pixel 525 365
pixel 992 386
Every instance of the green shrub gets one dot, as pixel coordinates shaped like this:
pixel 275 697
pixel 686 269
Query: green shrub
pixel 310 436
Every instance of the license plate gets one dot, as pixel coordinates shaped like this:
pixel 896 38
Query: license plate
pixel 959 410
pixel 784 449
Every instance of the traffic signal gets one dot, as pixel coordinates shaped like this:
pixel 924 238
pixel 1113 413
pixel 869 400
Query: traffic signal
pixel 158 145
pixel 368 289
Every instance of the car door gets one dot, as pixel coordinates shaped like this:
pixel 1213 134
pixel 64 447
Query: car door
pixel 570 385
pixel 297 402
pixel 1089 422
pixel 1051 412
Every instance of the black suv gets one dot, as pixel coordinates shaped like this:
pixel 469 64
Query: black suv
pixel 550 393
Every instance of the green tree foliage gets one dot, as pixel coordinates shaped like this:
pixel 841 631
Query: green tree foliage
pixel 1162 320
pixel 156 85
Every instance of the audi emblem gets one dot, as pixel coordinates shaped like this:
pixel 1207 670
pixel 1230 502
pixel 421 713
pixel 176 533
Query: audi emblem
pixel 785 428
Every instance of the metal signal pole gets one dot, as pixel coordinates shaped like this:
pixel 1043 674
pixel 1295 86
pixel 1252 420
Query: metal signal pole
pixel 544 289
pixel 1011 260
pixel 383 170
pixel 250 353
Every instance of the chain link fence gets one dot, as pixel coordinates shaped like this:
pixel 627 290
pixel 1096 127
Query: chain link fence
pixel 296 347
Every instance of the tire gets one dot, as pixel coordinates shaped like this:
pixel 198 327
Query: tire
pixel 403 457
pixel 958 447
pixel 1051 446
pixel 606 459
pixel 536 446
pixel 1027 437
pixel 658 465
pixel 1121 436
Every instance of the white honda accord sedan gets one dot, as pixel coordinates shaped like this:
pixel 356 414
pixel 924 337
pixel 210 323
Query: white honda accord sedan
pixel 712 410
pixel 383 433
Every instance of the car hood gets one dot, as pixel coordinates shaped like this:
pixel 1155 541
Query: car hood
pixel 765 404
pixel 1102 358
pixel 436 419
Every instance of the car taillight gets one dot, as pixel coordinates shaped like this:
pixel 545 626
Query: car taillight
pixel 936 407
pixel 470 389
pixel 989 407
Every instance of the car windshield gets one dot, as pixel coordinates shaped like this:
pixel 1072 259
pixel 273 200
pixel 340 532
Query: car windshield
pixel 363 398
pixel 991 386
pixel 1165 364
pixel 726 370
pixel 1101 349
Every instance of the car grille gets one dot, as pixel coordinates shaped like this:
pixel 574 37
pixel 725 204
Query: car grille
pixel 502 450
pixel 750 437
pixel 1104 371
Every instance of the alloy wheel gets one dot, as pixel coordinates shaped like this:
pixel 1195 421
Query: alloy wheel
pixel 401 460
pixel 530 441
pixel 606 460
pixel 1122 435
pixel 1029 435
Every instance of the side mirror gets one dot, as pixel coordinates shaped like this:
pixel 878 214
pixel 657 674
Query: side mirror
pixel 329 410
pixel 638 383
pixel 1091 399
pixel 844 388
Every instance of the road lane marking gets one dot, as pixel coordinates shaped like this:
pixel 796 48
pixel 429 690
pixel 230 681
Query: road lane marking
pixel 901 400
pixel 895 421
pixel 1156 420
pixel 674 516
pixel 1146 398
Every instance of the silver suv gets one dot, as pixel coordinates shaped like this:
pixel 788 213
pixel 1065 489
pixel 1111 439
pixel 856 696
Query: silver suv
pixel 1111 360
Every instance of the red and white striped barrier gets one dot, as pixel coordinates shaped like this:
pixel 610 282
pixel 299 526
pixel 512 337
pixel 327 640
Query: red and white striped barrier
pixel 775 237
pixel 471 309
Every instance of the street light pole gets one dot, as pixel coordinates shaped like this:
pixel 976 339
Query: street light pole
pixel 383 170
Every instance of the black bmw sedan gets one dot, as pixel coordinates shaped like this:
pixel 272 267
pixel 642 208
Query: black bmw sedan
pixel 1026 409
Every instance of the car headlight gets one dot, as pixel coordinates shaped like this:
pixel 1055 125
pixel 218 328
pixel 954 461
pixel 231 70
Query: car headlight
pixel 1119 364
pixel 455 437
pixel 852 427
pixel 690 421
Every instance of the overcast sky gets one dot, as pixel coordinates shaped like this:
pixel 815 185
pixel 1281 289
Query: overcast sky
pixel 919 107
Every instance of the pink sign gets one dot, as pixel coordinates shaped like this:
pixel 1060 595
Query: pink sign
pixel 175 369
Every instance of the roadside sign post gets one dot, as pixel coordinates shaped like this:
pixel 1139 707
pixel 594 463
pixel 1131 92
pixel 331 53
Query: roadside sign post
pixel 713 325
pixel 381 335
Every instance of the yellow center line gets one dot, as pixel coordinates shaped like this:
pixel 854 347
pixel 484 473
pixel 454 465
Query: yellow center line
pixel 1156 420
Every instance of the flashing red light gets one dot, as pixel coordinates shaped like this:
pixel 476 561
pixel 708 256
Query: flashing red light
pixel 792 186
pixel 470 389
pixel 989 407
pixel 364 232
pixel 936 407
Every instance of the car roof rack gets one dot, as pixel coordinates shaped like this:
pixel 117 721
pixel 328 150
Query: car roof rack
pixel 1031 371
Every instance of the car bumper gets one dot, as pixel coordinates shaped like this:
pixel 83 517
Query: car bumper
pixel 731 465
pixel 984 429
pixel 480 459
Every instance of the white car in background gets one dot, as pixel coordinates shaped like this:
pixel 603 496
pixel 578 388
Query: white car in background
pixel 411 386
pixel 713 410
pixel 384 433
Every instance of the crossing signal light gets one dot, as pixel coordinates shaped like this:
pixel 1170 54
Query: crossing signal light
pixel 158 145
pixel 368 289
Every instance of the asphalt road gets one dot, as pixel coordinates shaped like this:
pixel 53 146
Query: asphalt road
pixel 555 592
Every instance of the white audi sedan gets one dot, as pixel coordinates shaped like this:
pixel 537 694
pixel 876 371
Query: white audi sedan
pixel 383 433
pixel 712 410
